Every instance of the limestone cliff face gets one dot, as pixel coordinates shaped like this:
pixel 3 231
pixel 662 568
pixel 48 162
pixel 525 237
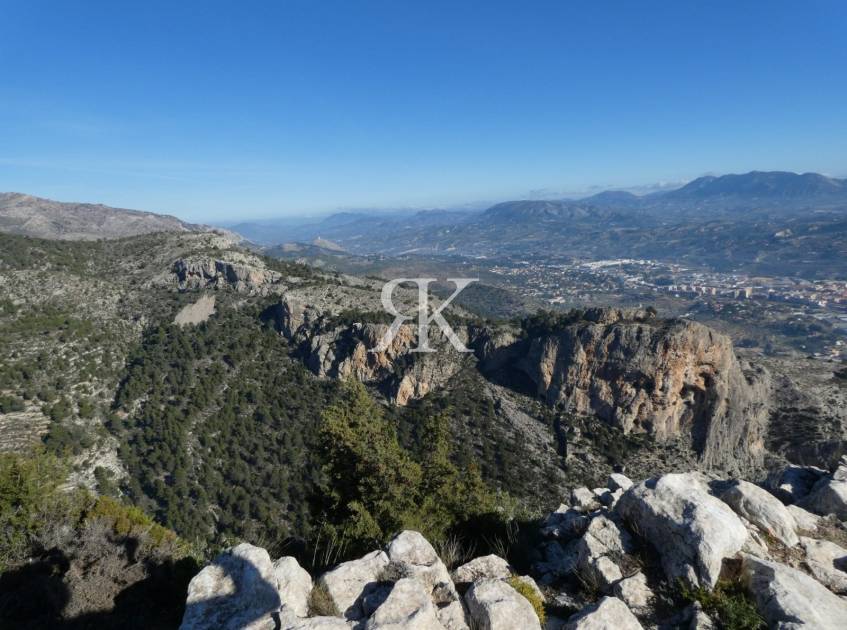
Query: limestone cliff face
pixel 349 350
pixel 248 275
pixel 667 378
pixel 671 379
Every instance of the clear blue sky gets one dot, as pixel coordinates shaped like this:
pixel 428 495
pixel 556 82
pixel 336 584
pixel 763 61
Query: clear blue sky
pixel 218 110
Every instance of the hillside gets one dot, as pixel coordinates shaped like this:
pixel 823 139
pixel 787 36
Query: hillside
pixel 45 218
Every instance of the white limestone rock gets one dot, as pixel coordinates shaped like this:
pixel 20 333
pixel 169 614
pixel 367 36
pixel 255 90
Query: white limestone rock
pixel 805 520
pixel 762 509
pixel 494 605
pixel 453 616
pixel 789 599
pixel 827 562
pixel 237 591
pixel 599 551
pixel 583 500
pixel 347 583
pixel 294 584
pixel 692 530
pixel 411 555
pixel 829 495
pixel 617 481
pixel 490 566
pixel 607 614
pixel 407 607
pixel 635 593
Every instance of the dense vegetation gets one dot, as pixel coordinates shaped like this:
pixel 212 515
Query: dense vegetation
pixel 219 428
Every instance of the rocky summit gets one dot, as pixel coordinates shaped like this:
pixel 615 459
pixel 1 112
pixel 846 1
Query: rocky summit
pixel 612 557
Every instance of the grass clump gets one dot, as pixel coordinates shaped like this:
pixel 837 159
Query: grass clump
pixel 530 594
pixel 729 604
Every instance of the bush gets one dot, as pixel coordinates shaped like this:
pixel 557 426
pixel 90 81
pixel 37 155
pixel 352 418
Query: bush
pixel 729 603
pixel 29 501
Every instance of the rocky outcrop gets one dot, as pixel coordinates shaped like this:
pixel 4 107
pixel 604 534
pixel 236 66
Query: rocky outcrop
pixel 494 605
pixel 609 612
pixel 788 598
pixel 248 275
pixel 762 509
pixel 619 568
pixel 333 346
pixel 349 583
pixel 667 378
pixel 692 530
pixel 829 494
pixel 490 566
pixel 242 588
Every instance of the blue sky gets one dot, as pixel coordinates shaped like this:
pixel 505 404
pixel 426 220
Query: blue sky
pixel 227 110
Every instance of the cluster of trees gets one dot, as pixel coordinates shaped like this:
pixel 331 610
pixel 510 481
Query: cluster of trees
pixel 374 487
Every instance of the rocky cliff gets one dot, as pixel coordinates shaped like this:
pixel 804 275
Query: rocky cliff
pixel 666 378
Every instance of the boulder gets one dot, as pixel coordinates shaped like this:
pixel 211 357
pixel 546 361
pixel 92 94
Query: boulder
pixel 829 494
pixel 792 483
pixel 692 530
pixel 600 550
pixel 565 524
pixel 411 555
pixel 827 562
pixel 294 584
pixel 494 605
pixel 762 509
pixel 788 598
pixel 407 607
pixel 483 567
pixel 584 500
pixel 805 520
pixel 608 613
pixel 635 593
pixel 453 616
pixel 238 590
pixel 617 481
pixel 346 584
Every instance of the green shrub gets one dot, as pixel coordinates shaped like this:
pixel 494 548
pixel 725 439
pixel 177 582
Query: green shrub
pixel 729 603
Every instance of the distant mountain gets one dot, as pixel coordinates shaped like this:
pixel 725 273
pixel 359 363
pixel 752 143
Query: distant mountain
pixel 566 212
pixel 761 185
pixel 614 198
pixel 45 218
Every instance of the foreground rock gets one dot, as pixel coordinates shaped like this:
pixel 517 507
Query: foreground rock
pixel 692 530
pixel 829 494
pixel 346 585
pixel 494 605
pixel 788 598
pixel 407 607
pixel 827 562
pixel 762 509
pixel 490 566
pixel 242 588
pixel 411 555
pixel 609 613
